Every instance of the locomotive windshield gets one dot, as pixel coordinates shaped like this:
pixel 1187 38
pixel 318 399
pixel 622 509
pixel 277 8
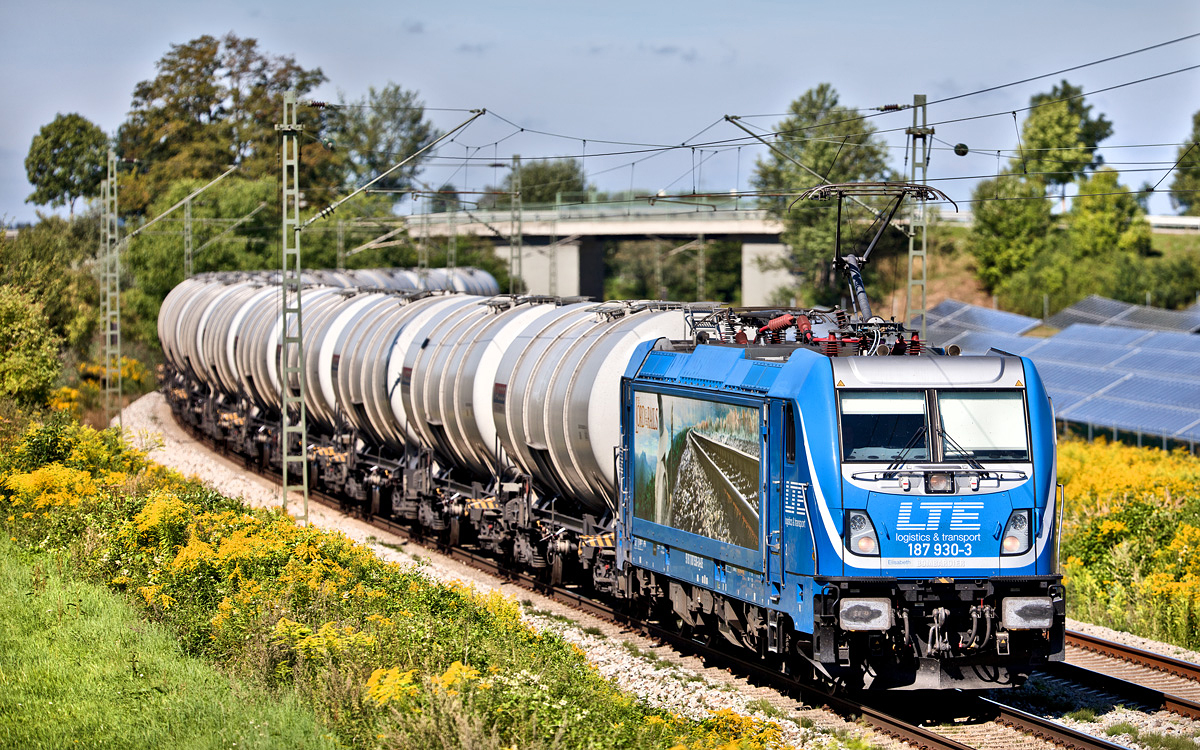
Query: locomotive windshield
pixel 983 425
pixel 895 426
pixel 884 426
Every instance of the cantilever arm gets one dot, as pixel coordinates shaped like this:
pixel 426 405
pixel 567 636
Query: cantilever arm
pixel 328 210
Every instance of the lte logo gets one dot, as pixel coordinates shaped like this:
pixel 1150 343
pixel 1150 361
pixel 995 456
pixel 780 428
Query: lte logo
pixel 964 516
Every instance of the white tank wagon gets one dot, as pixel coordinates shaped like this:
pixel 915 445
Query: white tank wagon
pixel 487 388
pixel 185 315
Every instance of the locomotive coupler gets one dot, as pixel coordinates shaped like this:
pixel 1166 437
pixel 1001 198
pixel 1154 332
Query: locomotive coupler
pixel 939 643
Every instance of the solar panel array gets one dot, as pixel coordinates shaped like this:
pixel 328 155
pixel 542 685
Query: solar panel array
pixel 1109 312
pixel 952 319
pixel 1109 375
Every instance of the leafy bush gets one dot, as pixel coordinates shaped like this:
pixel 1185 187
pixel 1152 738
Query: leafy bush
pixel 28 349
pixel 1131 541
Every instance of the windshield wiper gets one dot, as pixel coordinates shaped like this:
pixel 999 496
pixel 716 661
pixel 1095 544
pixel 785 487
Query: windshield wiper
pixel 889 472
pixel 966 456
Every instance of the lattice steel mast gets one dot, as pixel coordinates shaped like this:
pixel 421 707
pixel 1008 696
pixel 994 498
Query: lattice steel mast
pixel 110 290
pixel 294 433
pixel 515 257
pixel 918 223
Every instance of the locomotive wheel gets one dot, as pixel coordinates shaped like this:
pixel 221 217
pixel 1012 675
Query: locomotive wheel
pixel 556 570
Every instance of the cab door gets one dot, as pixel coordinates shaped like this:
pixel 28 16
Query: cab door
pixel 775 472
pixel 794 487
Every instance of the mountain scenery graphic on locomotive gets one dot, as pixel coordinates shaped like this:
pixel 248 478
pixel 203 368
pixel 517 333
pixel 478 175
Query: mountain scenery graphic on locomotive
pixel 697 467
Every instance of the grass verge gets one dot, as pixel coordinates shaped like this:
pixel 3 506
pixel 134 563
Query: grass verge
pixel 79 667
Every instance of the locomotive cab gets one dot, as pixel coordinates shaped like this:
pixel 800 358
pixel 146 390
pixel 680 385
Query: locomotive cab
pixel 940 567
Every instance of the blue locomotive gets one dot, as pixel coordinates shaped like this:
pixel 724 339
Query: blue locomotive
pixel 842 499
pixel 881 522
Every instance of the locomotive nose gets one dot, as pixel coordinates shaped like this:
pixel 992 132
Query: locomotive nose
pixel 921 531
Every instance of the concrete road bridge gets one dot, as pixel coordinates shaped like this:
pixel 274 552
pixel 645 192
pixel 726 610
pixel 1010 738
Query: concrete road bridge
pixel 562 248
pixel 572 239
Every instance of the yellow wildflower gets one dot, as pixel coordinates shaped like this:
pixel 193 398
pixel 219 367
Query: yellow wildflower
pixel 390 685
pixel 457 674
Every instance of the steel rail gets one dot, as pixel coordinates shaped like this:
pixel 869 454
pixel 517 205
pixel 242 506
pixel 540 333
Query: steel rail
pixel 1141 657
pixel 1046 729
pixel 1141 694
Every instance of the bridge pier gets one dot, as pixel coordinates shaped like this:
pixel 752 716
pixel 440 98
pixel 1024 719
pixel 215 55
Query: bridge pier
pixel 578 271
pixel 763 271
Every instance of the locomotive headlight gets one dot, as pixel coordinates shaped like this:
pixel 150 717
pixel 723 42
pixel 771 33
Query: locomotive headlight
pixel 865 614
pixel 1016 538
pixel 1026 613
pixel 860 533
pixel 939 483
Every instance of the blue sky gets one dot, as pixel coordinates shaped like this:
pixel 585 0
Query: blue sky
pixel 644 73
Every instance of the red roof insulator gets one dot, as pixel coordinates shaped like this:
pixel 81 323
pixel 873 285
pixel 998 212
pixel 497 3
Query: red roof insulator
pixel 803 328
pixel 777 324
pixel 831 345
pixel 914 346
pixel 803 324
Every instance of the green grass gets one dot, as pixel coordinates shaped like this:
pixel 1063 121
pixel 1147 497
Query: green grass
pixel 1153 740
pixel 1171 245
pixel 1156 741
pixel 633 649
pixel 547 614
pixel 768 709
pixel 1122 728
pixel 79 668
pixel 1083 714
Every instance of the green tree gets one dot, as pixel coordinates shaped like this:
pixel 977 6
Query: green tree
pixel 1104 250
pixel 1185 186
pixel 213 103
pixel 49 261
pixel 631 271
pixel 1012 225
pixel 832 141
pixel 542 182
pixel 66 161
pixel 1060 135
pixel 1052 147
pixel 1105 219
pixel 1019 252
pixel 379 130
pixel 28 349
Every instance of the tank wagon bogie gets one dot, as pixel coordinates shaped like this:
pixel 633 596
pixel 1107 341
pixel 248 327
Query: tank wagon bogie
pixel 745 476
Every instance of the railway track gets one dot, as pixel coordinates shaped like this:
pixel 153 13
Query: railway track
pixel 1155 681
pixel 982 711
